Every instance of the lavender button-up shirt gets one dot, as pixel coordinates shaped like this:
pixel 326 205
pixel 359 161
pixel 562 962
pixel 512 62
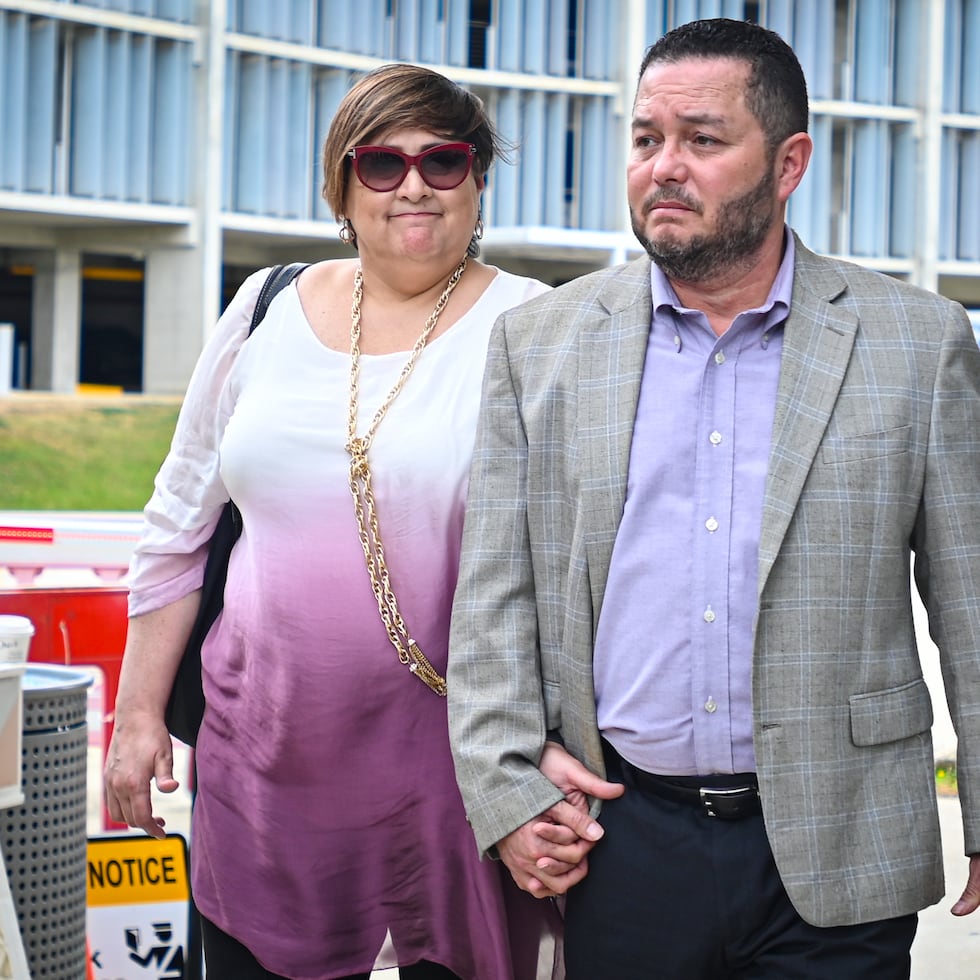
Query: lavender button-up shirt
pixel 673 657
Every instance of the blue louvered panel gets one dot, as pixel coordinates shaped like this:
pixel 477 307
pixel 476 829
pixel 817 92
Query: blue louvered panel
pixel 171 123
pixel 970 80
pixel 270 161
pixel 457 32
pixel 507 48
pixel 531 160
pixel 251 132
pixel 331 86
pixel 556 188
pixel 284 20
pixel 13 109
pixel 302 21
pixel 598 33
pixel 811 205
pixel 145 7
pixel 967 217
pixel 253 17
pixel 118 115
pixel 41 96
pixel 506 111
pixel 177 10
pixel 953 57
pixel 287 174
pixel 656 26
pixel 229 131
pixel 908 52
pixel 360 28
pixel 948 196
pixel 813 29
pixel 407 30
pixel 534 37
pixel 432 32
pixel 334 24
pixel 557 38
pixel 140 126
pixel 596 211
pixel 780 16
pixel 872 52
pixel 302 153
pixel 683 11
pixel 903 193
pixel 274 147
pixel 88 113
pixel 869 194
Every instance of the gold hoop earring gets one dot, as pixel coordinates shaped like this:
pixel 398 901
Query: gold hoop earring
pixel 346 233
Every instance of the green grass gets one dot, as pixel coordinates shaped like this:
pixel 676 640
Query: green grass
pixel 74 454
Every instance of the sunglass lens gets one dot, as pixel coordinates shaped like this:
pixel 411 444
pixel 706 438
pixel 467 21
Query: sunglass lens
pixel 444 169
pixel 380 170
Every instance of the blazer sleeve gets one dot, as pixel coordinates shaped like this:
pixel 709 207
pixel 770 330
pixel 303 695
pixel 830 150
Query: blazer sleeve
pixel 947 547
pixel 496 704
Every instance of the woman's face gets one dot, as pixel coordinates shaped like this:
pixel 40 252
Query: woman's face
pixel 414 221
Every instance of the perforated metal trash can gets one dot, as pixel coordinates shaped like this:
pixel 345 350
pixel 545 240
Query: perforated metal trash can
pixel 45 839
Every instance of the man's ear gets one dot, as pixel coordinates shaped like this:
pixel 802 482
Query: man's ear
pixel 792 159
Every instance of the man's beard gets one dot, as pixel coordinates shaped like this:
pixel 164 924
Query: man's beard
pixel 741 229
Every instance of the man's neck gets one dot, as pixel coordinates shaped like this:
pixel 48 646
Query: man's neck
pixel 742 286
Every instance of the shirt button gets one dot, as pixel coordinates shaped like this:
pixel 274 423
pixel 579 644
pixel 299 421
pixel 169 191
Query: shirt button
pixel 715 438
pixel 720 357
pixel 711 524
pixel 710 705
pixel 709 615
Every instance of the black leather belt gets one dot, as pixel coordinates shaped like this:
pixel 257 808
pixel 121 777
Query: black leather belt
pixel 725 797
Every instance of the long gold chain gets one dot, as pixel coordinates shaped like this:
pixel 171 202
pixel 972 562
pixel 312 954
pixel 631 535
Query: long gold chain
pixel 409 652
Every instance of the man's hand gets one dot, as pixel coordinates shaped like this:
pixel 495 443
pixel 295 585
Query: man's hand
pixel 547 855
pixel 969 901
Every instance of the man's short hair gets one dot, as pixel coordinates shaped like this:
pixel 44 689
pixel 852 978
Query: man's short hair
pixel 776 89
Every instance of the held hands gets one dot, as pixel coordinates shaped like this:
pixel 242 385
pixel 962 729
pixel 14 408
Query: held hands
pixel 548 854
pixel 969 901
pixel 140 750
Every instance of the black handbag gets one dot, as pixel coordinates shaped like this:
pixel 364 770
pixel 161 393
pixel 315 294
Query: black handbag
pixel 185 707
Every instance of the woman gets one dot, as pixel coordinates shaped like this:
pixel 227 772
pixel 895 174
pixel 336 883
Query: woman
pixel 327 817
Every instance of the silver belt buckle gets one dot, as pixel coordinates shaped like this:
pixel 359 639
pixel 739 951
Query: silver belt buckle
pixel 723 802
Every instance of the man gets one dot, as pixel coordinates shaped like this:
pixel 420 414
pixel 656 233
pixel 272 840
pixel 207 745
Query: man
pixel 697 486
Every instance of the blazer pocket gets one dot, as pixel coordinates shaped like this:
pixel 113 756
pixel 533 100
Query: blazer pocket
pixel 886 716
pixel 866 445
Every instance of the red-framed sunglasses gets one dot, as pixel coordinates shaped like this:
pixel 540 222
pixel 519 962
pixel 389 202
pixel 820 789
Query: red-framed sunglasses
pixel 383 168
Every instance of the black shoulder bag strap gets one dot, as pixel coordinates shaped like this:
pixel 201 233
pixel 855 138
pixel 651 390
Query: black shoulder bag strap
pixel 185 707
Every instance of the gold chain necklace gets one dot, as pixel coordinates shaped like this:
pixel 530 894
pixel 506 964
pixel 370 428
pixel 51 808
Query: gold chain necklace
pixel 409 652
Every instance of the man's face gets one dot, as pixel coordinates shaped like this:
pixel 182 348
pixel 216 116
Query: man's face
pixel 700 178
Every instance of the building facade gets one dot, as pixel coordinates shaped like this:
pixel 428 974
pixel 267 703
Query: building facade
pixel 154 152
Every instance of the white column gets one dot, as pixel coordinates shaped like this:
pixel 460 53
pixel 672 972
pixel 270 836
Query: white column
pixel 173 325
pixel 57 320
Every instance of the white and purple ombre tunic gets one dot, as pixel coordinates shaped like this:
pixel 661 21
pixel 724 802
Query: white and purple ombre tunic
pixel 327 814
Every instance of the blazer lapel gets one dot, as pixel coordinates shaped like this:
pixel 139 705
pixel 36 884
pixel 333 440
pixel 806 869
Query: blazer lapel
pixel 817 343
pixel 613 350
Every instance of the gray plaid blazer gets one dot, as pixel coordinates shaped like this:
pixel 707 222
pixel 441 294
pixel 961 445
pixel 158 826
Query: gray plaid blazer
pixel 875 455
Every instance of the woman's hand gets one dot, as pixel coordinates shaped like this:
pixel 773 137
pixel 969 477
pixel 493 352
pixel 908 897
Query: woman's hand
pixel 140 751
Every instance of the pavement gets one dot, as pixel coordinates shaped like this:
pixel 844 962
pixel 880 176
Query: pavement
pixel 945 948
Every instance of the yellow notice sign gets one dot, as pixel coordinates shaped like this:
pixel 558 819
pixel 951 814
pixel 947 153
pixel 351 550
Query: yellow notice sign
pixel 127 870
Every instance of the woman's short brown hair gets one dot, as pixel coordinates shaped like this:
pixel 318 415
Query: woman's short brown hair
pixel 403 96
